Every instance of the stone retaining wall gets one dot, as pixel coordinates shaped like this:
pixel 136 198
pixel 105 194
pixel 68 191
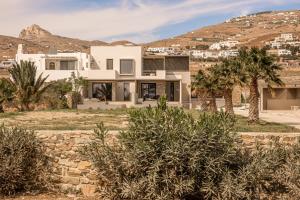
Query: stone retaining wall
pixel 74 175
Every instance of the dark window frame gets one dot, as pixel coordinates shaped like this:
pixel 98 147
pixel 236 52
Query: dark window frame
pixel 107 64
pixel 51 66
pixel 132 71
pixel 148 88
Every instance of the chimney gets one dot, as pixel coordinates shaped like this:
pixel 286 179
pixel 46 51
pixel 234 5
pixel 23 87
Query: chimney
pixel 20 49
pixel 52 50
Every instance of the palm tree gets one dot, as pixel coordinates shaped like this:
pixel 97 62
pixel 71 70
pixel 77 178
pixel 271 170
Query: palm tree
pixel 230 74
pixel 104 91
pixel 258 66
pixel 206 85
pixel 6 92
pixel 27 86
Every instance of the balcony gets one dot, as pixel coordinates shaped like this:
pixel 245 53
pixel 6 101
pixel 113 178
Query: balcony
pixel 99 74
pixel 153 75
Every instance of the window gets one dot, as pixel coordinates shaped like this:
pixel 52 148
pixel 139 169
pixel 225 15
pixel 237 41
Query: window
pixel 51 66
pixel 67 65
pixel 109 64
pixel 102 91
pixel 148 91
pixel 126 67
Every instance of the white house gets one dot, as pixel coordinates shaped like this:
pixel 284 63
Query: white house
pixel 287 36
pixel 161 50
pixel 130 77
pixel 284 52
pixel 228 53
pixel 204 54
pixel 224 44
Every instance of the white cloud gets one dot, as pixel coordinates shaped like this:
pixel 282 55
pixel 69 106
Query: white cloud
pixel 137 18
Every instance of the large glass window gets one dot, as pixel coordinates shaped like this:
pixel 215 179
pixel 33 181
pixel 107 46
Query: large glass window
pixel 148 91
pixel 67 65
pixel 102 91
pixel 109 64
pixel 126 67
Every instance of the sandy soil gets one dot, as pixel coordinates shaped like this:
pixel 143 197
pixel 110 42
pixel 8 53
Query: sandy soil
pixel 65 120
pixel 288 117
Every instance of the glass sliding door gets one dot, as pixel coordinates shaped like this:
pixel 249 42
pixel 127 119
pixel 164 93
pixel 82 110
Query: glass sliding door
pixel 126 91
pixel 148 91
pixel 102 91
pixel 172 90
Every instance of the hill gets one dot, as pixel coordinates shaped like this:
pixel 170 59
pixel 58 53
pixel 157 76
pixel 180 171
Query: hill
pixel 37 39
pixel 250 30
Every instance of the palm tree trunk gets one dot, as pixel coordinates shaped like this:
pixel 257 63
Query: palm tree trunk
pixel 228 101
pixel 213 103
pixel 1 108
pixel 253 100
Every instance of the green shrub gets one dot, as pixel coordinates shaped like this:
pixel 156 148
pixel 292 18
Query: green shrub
pixel 55 96
pixel 165 154
pixel 271 172
pixel 22 161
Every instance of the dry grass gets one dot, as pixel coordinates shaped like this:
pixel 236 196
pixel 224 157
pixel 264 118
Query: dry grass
pixel 66 119
pixel 113 119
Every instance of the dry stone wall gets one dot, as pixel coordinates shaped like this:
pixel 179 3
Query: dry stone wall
pixel 75 175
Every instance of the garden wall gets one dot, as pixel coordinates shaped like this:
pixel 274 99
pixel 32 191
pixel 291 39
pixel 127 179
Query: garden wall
pixel 75 175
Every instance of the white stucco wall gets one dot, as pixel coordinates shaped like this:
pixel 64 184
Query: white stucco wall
pixel 101 53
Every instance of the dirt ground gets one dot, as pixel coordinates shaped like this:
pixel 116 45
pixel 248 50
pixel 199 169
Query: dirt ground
pixel 66 119
pixel 287 117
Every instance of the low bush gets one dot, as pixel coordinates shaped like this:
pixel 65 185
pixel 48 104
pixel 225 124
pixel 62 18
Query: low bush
pixel 167 154
pixel 56 95
pixel 271 172
pixel 22 161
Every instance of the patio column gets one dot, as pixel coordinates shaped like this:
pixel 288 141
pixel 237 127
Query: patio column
pixel 180 92
pixel 133 92
pixel 114 90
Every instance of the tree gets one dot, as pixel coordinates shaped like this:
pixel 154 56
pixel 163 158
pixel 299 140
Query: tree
pixel 206 84
pixel 27 87
pixel 6 92
pixel 258 66
pixel 56 95
pixel 78 82
pixel 230 74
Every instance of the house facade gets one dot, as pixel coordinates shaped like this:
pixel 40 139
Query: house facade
pixel 129 77
pixel 285 97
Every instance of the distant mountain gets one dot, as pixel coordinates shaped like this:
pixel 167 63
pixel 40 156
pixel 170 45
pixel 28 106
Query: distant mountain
pixel 250 30
pixel 42 37
pixel 123 42
pixel 37 39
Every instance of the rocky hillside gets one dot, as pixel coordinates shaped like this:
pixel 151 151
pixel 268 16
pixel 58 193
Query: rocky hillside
pixel 37 39
pixel 37 35
pixel 250 30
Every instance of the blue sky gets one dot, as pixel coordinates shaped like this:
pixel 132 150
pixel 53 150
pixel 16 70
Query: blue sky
pixel 134 20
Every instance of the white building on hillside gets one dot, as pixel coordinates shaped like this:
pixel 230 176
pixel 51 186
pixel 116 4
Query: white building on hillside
pixel 161 50
pixel 130 77
pixel 284 52
pixel 287 36
pixel 224 44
